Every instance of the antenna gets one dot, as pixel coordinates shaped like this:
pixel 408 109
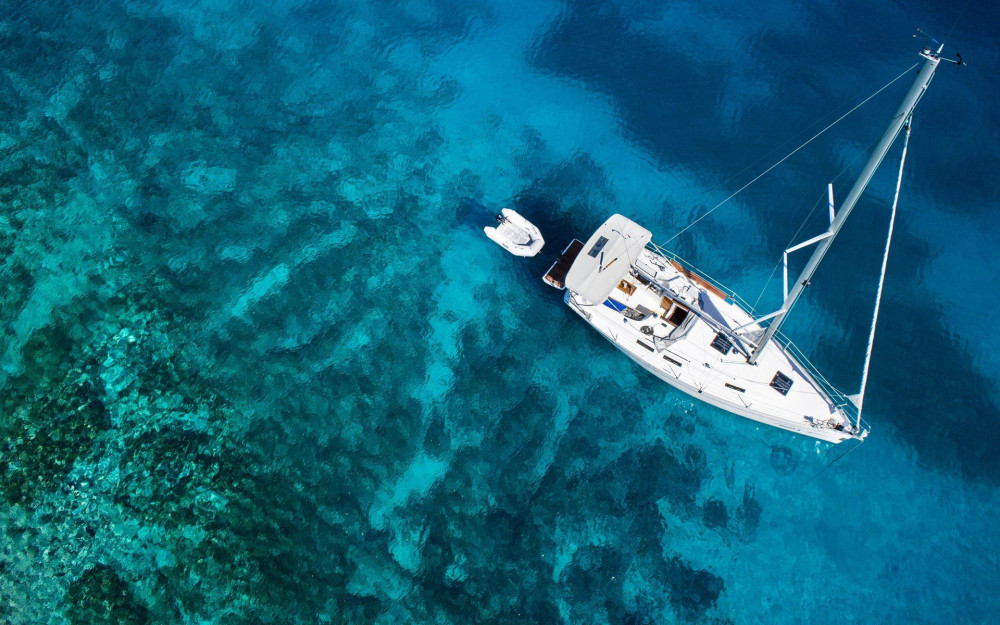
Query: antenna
pixel 958 57
pixel 921 33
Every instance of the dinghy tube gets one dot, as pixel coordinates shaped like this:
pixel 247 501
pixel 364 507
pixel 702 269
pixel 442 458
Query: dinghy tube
pixel 516 234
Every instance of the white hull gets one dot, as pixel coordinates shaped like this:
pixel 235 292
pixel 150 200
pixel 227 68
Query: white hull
pixel 825 434
pixel 516 234
pixel 683 354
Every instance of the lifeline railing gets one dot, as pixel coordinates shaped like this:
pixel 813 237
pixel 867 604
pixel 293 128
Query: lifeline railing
pixel 838 398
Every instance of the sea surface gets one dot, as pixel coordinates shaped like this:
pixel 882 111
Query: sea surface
pixel 259 364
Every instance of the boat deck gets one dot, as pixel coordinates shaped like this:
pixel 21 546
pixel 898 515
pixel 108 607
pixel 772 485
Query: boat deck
pixel 681 328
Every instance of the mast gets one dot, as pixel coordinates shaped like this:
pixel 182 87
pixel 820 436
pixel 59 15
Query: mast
pixel 924 76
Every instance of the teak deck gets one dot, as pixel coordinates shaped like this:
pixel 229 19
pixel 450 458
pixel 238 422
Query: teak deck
pixel 556 275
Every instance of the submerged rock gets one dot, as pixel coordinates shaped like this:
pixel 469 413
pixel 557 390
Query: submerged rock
pixel 783 460
pixel 99 595
pixel 204 178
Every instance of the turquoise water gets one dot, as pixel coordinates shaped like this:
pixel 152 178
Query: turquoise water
pixel 261 365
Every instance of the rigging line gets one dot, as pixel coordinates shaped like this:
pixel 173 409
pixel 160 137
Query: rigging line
pixel 785 142
pixel 789 155
pixel 791 138
pixel 836 460
pixel 774 269
pixel 955 23
pixel 822 198
pixel 881 277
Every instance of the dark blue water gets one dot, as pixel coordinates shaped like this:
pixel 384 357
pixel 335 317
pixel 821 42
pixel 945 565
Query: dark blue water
pixel 260 365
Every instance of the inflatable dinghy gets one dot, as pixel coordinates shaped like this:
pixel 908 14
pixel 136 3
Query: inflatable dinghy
pixel 516 234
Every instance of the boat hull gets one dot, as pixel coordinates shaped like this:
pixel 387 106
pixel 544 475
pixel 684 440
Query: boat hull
pixel 823 434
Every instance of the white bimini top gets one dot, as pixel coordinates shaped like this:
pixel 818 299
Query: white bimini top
pixel 606 258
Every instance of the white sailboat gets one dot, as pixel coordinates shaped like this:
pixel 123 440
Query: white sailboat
pixel 702 338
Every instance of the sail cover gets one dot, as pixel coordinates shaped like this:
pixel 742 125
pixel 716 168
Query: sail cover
pixel 606 258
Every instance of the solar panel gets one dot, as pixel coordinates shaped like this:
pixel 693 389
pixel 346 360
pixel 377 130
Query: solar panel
pixel 598 246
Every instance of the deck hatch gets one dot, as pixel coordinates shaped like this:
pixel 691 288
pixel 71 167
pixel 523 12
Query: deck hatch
pixel 678 316
pixel 722 343
pixel 646 345
pixel 672 361
pixel 781 383
pixel 735 388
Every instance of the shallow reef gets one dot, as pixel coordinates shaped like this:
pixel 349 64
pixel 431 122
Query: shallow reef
pixel 259 364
